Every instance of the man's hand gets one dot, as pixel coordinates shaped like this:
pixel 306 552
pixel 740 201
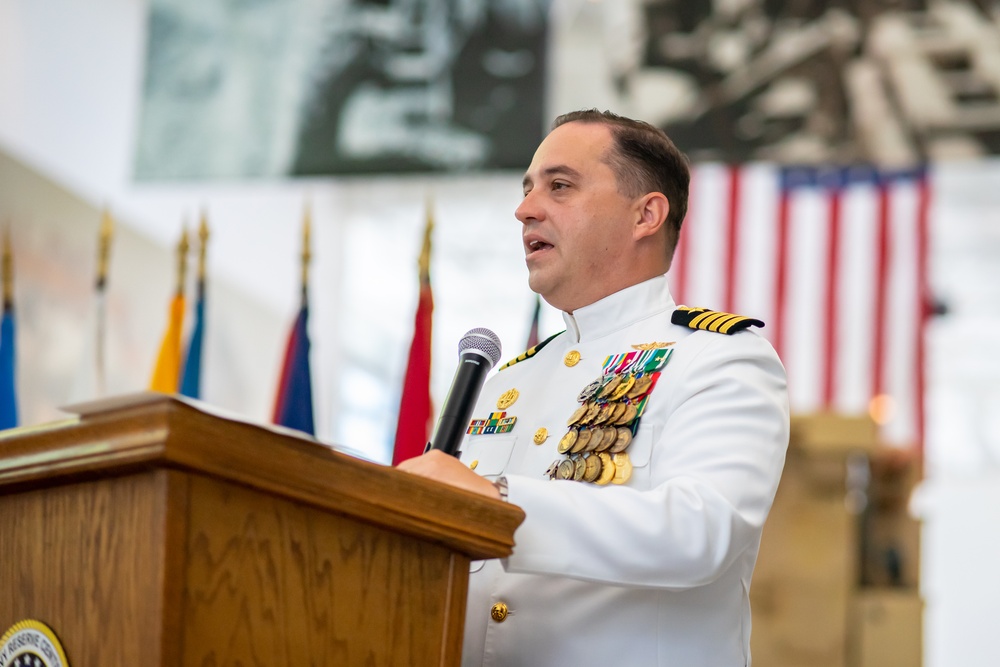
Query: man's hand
pixel 442 467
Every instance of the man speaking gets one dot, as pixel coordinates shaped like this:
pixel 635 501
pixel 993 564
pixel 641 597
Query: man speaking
pixel 644 443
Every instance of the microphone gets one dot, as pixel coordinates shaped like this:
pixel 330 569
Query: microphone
pixel 478 352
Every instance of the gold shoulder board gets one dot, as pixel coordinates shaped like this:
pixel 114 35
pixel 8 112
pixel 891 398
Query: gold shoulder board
pixel 529 353
pixel 712 320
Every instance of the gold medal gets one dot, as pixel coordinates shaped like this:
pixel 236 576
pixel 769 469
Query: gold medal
pixel 578 415
pixel 541 435
pixel 609 439
pixel 623 440
pixel 572 358
pixel 623 468
pixel 552 470
pixel 566 469
pixel 474 464
pixel 580 467
pixel 610 386
pixel 640 387
pixel 607 469
pixel 629 414
pixel 593 468
pixel 618 413
pixel 604 414
pixel 592 410
pixel 507 399
pixel 581 441
pixel 623 388
pixel 567 441
pixel 596 436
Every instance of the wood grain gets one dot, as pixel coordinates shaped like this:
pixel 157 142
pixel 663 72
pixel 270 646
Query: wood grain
pixel 272 582
pixel 85 559
pixel 156 534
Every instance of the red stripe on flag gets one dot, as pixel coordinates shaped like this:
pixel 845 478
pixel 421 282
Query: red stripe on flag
pixel 881 291
pixel 781 266
pixel 831 297
pixel 731 241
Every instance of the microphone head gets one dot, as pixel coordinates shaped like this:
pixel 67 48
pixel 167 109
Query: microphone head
pixel 483 341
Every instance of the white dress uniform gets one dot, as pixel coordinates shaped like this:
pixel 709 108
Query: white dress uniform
pixel 656 570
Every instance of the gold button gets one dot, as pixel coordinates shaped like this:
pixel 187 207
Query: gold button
pixel 540 435
pixel 572 358
pixel 472 466
pixel 499 612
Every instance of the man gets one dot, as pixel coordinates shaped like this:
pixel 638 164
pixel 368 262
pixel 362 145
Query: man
pixel 639 549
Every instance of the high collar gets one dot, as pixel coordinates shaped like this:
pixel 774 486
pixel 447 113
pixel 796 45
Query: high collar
pixel 619 310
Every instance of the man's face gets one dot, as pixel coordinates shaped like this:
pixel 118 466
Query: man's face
pixel 576 224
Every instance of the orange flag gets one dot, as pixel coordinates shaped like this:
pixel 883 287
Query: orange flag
pixel 166 374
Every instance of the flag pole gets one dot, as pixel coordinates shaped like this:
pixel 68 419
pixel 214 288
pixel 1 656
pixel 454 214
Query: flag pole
pixel 166 373
pixel 293 406
pixel 190 380
pixel 413 422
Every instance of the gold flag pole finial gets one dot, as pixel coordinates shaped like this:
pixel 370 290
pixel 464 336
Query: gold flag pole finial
pixel 182 252
pixel 104 247
pixel 306 243
pixel 8 269
pixel 424 261
pixel 203 235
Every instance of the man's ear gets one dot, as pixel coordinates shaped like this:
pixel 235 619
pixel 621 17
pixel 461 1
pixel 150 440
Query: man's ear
pixel 652 210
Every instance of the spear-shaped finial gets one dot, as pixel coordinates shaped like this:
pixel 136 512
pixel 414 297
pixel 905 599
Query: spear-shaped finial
pixel 182 253
pixel 8 270
pixel 306 243
pixel 104 247
pixel 424 261
pixel 203 245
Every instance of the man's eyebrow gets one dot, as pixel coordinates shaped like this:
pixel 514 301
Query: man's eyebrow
pixel 556 170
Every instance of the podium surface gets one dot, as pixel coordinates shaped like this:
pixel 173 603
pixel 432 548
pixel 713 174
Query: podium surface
pixel 151 532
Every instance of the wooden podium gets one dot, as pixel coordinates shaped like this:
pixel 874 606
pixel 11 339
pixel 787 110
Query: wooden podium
pixel 150 532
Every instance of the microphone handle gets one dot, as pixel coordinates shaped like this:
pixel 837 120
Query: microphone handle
pixel 468 382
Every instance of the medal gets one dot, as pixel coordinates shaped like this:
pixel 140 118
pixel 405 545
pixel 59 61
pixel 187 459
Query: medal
pixel 607 470
pixel 623 468
pixel 507 399
pixel 593 468
pixel 567 441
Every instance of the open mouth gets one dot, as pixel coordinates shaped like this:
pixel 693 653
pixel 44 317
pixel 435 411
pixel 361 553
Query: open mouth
pixel 536 246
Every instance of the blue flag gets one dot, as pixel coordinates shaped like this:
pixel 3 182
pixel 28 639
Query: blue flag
pixel 191 378
pixel 8 392
pixel 294 405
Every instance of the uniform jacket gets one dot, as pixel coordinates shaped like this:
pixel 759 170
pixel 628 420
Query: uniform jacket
pixel 655 571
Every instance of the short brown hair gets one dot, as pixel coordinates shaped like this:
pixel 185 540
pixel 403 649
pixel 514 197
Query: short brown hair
pixel 644 160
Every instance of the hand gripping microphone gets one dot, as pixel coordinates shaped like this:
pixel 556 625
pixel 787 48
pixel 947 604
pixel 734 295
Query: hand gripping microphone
pixel 478 352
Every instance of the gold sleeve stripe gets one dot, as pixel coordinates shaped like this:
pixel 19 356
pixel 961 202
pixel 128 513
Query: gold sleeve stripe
pixel 712 320
pixel 529 353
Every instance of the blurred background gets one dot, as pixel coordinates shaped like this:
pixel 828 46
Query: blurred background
pixel 845 191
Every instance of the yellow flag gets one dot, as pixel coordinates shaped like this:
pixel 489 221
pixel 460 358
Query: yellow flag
pixel 166 374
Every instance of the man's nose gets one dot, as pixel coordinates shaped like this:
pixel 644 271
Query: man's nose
pixel 529 210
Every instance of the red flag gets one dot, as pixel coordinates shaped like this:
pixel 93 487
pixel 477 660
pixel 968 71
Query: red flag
pixel 833 260
pixel 413 426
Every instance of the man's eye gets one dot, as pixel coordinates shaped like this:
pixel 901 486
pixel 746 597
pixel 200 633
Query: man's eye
pixel 558 185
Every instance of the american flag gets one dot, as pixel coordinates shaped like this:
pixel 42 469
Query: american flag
pixel 834 261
